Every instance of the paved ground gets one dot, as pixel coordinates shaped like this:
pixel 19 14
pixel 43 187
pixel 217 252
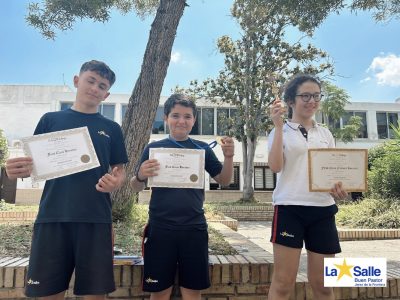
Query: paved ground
pixel 260 232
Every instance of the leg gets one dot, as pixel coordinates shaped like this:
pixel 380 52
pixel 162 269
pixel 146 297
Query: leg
pixel 163 295
pixel 188 294
pixel 94 275
pixel 94 297
pixel 59 296
pixel 315 270
pixel 286 264
pixel 51 262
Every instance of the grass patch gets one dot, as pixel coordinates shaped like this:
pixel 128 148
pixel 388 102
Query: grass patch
pixel 16 237
pixel 370 213
pixel 12 207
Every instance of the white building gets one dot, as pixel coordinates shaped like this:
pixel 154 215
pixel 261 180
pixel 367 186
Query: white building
pixel 21 106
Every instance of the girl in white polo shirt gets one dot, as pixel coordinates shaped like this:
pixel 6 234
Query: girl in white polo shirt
pixel 299 215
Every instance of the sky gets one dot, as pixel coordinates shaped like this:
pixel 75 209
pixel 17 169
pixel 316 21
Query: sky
pixel 366 54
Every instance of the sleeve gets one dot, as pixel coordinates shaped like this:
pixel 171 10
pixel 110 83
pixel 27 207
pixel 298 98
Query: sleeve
pixel 212 165
pixel 118 149
pixel 41 126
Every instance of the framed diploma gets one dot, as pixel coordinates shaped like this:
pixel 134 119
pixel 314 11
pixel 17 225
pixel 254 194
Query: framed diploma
pixel 330 165
pixel 179 168
pixel 60 153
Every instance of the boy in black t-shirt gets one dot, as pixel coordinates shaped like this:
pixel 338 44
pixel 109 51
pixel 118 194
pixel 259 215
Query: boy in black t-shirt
pixel 73 229
pixel 176 235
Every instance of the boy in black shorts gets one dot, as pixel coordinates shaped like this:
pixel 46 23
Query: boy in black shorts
pixel 176 236
pixel 73 229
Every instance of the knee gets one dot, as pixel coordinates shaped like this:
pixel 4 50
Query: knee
pixel 162 295
pixel 319 289
pixel 283 285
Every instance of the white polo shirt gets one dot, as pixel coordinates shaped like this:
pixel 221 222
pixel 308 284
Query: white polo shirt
pixel 292 181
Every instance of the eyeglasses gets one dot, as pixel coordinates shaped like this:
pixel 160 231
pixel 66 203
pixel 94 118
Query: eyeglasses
pixel 307 97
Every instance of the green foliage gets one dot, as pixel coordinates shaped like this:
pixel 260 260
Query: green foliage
pixel 122 210
pixel 310 14
pixel 333 109
pixel 256 67
pixel 370 213
pixel 384 174
pixel 396 130
pixel 55 14
pixel 3 148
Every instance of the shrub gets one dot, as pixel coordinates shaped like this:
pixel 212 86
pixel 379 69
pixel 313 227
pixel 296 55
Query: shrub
pixel 3 148
pixel 370 213
pixel 384 176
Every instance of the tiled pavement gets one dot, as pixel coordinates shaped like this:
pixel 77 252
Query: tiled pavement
pixel 260 232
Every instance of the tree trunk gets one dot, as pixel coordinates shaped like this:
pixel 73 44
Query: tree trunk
pixel 248 165
pixel 144 100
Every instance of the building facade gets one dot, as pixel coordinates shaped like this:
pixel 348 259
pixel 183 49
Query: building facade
pixel 21 106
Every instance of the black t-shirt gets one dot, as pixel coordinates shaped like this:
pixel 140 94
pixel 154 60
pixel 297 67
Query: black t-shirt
pixel 180 208
pixel 74 198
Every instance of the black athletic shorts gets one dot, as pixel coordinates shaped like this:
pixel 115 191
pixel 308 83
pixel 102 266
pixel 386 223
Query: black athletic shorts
pixel 293 224
pixel 58 249
pixel 166 251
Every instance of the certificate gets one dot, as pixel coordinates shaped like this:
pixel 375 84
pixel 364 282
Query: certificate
pixel 328 166
pixel 60 153
pixel 179 168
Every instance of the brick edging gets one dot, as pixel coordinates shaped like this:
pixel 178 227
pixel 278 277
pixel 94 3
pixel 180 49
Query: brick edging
pixel 17 216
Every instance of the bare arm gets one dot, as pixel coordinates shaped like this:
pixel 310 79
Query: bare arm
pixel 228 149
pixel 275 155
pixel 147 169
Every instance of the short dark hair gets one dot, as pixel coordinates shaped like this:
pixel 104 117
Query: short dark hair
pixel 100 68
pixel 180 99
pixel 289 95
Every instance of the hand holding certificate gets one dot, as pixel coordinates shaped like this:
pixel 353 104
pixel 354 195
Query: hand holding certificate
pixel 60 153
pixel 329 166
pixel 179 168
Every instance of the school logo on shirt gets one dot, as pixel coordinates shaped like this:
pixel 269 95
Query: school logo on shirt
pixel 355 272
pixel 32 282
pixel 102 132
pixel 286 234
pixel 149 280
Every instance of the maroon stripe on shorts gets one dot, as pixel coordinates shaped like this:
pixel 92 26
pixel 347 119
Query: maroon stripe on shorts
pixel 275 224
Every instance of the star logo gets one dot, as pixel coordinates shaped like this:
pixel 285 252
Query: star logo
pixel 344 269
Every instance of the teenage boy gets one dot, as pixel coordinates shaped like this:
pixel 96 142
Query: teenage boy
pixel 73 229
pixel 176 235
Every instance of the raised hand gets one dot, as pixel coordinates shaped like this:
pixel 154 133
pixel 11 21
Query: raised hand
pixel 111 181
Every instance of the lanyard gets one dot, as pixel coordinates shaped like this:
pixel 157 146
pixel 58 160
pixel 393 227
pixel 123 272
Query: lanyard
pixel 302 130
pixel 210 145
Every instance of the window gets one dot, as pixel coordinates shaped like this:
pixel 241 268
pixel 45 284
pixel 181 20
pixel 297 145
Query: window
pixel 124 107
pixel 65 105
pixel 107 110
pixel 158 124
pixel 222 116
pixel 235 181
pixel 363 115
pixel 207 121
pixel 264 179
pixel 383 121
